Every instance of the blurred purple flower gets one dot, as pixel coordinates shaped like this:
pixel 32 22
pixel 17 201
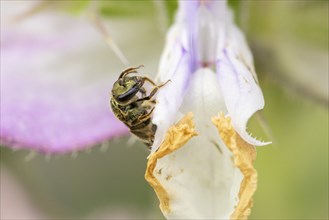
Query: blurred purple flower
pixel 55 79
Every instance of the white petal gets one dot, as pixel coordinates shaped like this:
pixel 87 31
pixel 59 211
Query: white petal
pixel 174 65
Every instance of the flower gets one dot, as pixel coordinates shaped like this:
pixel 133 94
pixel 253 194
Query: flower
pixel 196 172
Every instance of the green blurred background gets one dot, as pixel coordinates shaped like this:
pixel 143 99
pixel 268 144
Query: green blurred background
pixel 289 40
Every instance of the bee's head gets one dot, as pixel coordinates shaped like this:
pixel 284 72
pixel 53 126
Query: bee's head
pixel 125 89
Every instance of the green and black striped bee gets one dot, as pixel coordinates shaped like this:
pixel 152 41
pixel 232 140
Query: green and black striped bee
pixel 132 105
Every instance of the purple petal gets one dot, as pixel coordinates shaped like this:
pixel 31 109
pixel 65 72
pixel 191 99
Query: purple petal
pixel 55 83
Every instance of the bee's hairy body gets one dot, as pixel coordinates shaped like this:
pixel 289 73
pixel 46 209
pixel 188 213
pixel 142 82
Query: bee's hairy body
pixel 131 104
pixel 129 115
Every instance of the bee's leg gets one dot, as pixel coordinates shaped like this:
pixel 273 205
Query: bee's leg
pixel 150 81
pixel 115 105
pixel 148 104
pixel 163 84
pixel 154 84
pixel 146 116
pixel 143 92
pixel 153 92
pixel 143 118
pixel 130 70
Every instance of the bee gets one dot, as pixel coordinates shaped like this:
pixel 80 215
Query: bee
pixel 132 105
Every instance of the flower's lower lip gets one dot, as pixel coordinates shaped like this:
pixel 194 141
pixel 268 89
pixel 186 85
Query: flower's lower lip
pixel 194 180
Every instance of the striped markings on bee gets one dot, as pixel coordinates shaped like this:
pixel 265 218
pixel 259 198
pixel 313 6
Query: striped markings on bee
pixel 132 105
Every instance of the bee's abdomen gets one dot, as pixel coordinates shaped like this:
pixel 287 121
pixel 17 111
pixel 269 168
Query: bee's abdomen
pixel 145 131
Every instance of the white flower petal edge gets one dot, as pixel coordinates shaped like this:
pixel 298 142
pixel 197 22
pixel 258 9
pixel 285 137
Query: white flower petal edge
pixel 238 83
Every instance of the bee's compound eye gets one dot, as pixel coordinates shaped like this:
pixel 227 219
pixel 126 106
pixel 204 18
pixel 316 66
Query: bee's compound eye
pixel 128 95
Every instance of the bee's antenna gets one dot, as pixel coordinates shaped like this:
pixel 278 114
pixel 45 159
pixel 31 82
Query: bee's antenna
pixel 130 70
